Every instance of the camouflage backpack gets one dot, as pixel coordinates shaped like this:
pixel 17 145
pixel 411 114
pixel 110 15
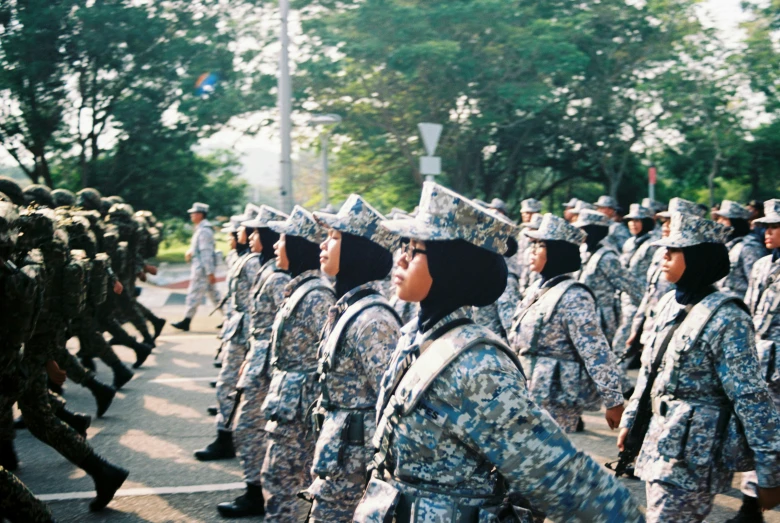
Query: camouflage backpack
pixel 98 279
pixel 75 276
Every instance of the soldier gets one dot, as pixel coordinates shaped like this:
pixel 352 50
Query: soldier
pixel 63 198
pixel 12 191
pixel 618 232
pixel 763 301
pixel 602 272
pixel 39 195
pixel 527 276
pixel 557 332
pixel 567 210
pixel 708 384
pixel 358 342
pixel 744 248
pixel 236 339
pixel 518 264
pixel 453 386
pixel 636 259
pixel 255 377
pixel 294 340
pixel 203 258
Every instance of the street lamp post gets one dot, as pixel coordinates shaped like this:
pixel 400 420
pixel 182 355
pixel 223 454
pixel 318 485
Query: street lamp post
pixel 285 108
pixel 324 120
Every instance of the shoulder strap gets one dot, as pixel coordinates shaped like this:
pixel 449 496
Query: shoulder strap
pixel 556 293
pixel 290 304
pixel 593 263
pixel 438 356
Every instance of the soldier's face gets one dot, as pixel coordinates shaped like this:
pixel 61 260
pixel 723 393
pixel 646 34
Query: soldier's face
pixel 772 236
pixel 723 220
pixel 635 227
pixel 411 276
pixel 607 211
pixel 232 241
pixel 242 239
pixel 568 215
pixel 254 242
pixel 330 253
pixel 665 228
pixel 538 256
pixel 526 216
pixel 196 217
pixel 280 251
pixel 674 264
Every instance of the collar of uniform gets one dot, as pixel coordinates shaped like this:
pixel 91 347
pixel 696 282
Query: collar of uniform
pixel 298 280
pixel 423 339
pixel 735 241
pixel 204 223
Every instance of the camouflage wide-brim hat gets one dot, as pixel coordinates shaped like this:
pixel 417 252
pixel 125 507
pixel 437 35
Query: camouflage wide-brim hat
pixel 233 224
pixel 558 229
pixel 590 217
pixel 638 212
pixel 687 230
pixel 685 207
pixel 653 205
pixel 531 205
pixel 606 201
pixel 300 223
pixel 733 210
pixel 582 206
pixel 571 204
pixel 265 214
pixel 446 215
pixel 771 212
pixel 357 217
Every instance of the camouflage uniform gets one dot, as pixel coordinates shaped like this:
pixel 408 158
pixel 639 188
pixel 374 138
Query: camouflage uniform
pixel 497 317
pixel 708 384
pixel 558 336
pixel 203 262
pixel 522 260
pixel 17 503
pixel 743 252
pixel 449 392
pixel 618 232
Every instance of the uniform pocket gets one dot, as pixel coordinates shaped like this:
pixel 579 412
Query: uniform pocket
pixel 427 510
pixel 330 443
pixel 378 503
pixel 736 452
pixel 702 435
pixel 283 402
pixel 674 431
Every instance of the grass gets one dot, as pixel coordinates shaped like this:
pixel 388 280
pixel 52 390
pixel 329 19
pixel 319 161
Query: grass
pixel 174 252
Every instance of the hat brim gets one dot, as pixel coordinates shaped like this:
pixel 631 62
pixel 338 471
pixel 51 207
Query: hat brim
pixel 636 217
pixel 729 216
pixel 330 220
pixel 768 220
pixel 193 210
pixel 664 214
pixel 281 227
pixel 255 223
pixel 674 243
pixel 415 229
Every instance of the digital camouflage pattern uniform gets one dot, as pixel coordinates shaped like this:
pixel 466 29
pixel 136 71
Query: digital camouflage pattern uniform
pixel 558 336
pixel 708 384
pixel 294 341
pixel 603 274
pixel 204 261
pixel 358 342
pixel 763 301
pixel 438 455
pixel 743 252
pixel 618 232
pixel 522 260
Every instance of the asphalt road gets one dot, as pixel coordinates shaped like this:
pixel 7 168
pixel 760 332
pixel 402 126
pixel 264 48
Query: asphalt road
pixel 159 419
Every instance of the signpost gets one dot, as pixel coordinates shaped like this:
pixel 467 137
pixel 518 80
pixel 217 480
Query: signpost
pixel 652 174
pixel 430 165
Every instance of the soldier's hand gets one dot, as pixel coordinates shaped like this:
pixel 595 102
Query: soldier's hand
pixel 630 340
pixel 151 269
pixel 188 256
pixel 212 279
pixel 55 373
pixel 621 442
pixel 118 287
pixel 142 276
pixel 769 498
pixel 613 416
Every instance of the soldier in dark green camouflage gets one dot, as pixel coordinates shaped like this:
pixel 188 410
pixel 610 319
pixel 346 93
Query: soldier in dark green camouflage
pixel 17 503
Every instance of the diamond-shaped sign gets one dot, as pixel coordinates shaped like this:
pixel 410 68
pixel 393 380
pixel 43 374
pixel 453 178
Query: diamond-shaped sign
pixel 431 132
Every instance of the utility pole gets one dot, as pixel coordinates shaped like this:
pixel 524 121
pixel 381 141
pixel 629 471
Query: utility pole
pixel 285 110
pixel 324 121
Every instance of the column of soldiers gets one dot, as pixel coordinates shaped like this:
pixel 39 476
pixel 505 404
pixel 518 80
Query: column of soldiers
pixel 68 263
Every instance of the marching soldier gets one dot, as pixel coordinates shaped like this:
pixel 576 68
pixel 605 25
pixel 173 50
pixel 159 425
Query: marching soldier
pixel 452 386
pixel 700 379
pixel 358 342
pixel 202 256
pixel 744 248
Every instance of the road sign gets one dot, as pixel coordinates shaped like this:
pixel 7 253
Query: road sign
pixel 431 132
pixel 430 165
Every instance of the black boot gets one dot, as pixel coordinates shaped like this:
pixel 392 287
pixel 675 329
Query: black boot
pixel 79 422
pixel 213 384
pixel 158 324
pixel 19 423
pixel 88 363
pixel 183 325
pixel 104 394
pixel 142 351
pixel 212 411
pixel 149 340
pixel 251 503
pixel 121 375
pixel 220 448
pixel 218 364
pixel 580 425
pixel 8 459
pixel 107 477
pixel 749 512
pixel 55 388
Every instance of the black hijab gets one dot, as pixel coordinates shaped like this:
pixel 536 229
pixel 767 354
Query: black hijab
pixel 241 248
pixel 741 228
pixel 705 264
pixel 360 262
pixel 302 254
pixel 463 274
pixel 595 233
pixel 562 258
pixel 267 239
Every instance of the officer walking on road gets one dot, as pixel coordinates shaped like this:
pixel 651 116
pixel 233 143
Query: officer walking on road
pixel 202 255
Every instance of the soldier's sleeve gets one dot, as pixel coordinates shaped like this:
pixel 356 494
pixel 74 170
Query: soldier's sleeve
pixel 622 279
pixel 580 317
pixel 269 299
pixel 736 361
pixel 507 302
pixel 377 337
pixel 487 406
pixel 639 317
pixel 315 307
pixel 751 296
pixel 206 250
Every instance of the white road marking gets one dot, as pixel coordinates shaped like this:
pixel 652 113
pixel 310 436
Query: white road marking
pixel 213 336
pixel 180 380
pixel 158 491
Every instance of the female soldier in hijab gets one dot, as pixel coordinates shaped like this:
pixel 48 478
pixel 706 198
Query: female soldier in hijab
pixel 744 248
pixel 602 272
pixel 358 341
pixel 636 258
pixel 707 385
pixel 557 332
pixel 457 428
pixel 295 337
pixel 266 296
